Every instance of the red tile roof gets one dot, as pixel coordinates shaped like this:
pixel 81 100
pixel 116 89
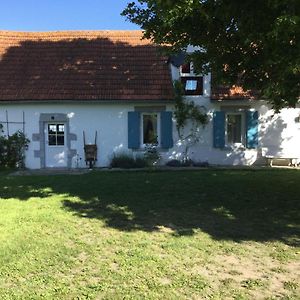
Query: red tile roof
pixel 82 65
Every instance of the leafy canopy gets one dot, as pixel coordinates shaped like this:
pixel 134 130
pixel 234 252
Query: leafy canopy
pixel 254 44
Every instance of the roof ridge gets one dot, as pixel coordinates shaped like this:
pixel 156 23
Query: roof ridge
pixel 70 34
pixel 69 31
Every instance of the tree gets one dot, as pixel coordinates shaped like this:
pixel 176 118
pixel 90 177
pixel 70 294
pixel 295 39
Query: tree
pixel 254 44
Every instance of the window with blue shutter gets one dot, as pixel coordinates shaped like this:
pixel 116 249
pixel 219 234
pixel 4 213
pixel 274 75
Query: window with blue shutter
pixel 219 129
pixel 252 129
pixel 235 129
pixel 134 129
pixel 166 128
pixel 149 129
pixel 229 129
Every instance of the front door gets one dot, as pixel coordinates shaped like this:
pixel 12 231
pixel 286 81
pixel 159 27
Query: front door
pixel 56 150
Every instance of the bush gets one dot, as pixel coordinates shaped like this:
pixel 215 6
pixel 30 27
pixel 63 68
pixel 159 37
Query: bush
pixel 180 163
pixel 127 161
pixel 174 163
pixel 186 163
pixel 141 162
pixel 152 155
pixel 12 150
pixel 122 160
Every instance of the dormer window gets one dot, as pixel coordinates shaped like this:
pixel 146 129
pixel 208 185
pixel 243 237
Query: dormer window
pixel 186 68
pixel 192 83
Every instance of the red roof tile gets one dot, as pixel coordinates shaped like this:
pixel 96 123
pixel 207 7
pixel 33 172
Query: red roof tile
pixel 82 65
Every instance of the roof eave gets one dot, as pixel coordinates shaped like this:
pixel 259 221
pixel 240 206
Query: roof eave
pixel 96 101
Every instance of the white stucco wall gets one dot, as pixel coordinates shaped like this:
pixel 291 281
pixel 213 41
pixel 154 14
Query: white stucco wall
pixel 279 135
pixel 110 121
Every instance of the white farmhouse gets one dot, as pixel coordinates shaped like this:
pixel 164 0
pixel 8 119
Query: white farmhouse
pixel 63 87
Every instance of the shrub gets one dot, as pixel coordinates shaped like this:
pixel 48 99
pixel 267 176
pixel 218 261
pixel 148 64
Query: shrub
pixel 174 163
pixel 12 150
pixel 180 163
pixel 152 155
pixel 186 163
pixel 127 161
pixel 122 160
pixel 141 162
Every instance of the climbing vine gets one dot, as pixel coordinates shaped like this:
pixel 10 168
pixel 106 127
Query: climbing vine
pixel 12 149
pixel 188 113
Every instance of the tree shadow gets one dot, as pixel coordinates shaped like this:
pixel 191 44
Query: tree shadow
pixel 82 66
pixel 238 205
pixel 228 205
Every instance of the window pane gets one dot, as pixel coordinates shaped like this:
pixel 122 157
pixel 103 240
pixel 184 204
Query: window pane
pixel 51 128
pixel 56 134
pixel 150 129
pixel 52 140
pixel 60 140
pixel 61 128
pixel 234 129
pixel 191 85
pixel 186 68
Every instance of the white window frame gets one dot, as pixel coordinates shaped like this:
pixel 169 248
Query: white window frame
pixel 196 78
pixel 191 72
pixel 142 128
pixel 243 129
pixel 47 132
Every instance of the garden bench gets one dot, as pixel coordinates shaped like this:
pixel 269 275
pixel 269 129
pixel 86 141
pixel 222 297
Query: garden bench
pixel 292 161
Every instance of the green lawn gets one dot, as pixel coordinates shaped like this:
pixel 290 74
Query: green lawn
pixel 212 234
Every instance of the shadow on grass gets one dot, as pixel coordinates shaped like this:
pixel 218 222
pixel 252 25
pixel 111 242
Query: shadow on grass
pixel 234 205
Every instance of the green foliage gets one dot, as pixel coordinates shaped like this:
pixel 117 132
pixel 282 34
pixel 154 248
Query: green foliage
pixel 179 163
pixel 186 111
pixel 12 150
pixel 127 161
pixel 254 44
pixel 186 163
pixel 252 283
pixel 140 162
pixel 152 155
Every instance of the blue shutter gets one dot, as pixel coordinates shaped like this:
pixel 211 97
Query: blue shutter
pixel 219 129
pixel 133 129
pixel 166 129
pixel 252 129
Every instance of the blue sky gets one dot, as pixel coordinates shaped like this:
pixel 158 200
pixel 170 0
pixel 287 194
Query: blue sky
pixel 47 15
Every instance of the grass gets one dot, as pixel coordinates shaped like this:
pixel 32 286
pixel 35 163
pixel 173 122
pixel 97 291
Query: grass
pixel 211 234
